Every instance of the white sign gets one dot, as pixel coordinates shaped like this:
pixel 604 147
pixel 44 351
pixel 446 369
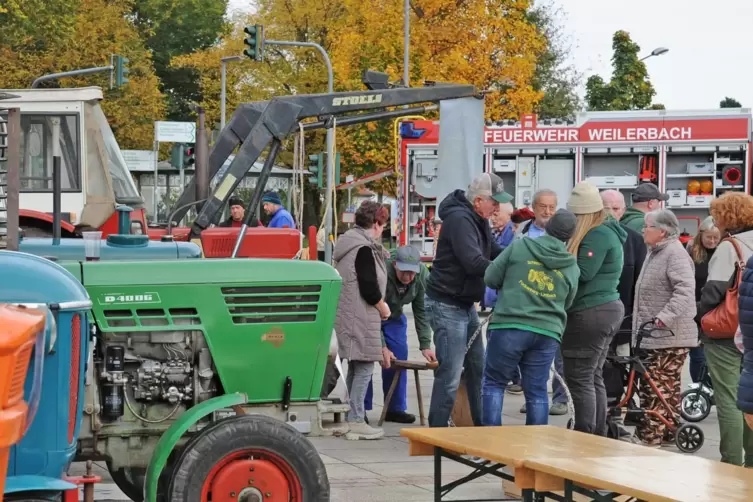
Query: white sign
pixel 139 160
pixel 175 132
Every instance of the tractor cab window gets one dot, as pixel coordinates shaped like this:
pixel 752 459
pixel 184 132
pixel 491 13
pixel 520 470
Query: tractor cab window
pixel 122 181
pixel 38 132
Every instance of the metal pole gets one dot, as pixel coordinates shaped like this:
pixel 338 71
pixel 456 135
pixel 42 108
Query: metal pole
pixel 74 73
pixel 406 43
pixel 223 84
pixel 222 94
pixel 56 181
pixel 13 178
pixel 328 215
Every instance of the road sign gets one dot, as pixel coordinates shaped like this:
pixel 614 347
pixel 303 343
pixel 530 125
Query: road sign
pixel 139 160
pixel 175 132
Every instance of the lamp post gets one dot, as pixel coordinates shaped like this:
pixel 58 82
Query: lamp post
pixel 659 51
pixel 223 78
pixel 406 43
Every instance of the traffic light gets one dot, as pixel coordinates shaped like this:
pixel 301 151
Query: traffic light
pixel 316 166
pixel 176 155
pixel 121 70
pixel 255 42
pixel 188 156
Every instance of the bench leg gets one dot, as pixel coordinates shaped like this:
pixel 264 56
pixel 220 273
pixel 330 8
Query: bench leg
pixel 388 397
pixel 420 399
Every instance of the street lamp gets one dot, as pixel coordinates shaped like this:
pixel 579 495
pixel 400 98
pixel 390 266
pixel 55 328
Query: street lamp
pixel 223 79
pixel 656 52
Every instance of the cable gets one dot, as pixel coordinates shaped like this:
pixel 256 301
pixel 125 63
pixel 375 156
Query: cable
pixel 128 403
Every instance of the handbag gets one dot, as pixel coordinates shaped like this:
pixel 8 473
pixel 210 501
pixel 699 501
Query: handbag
pixel 721 323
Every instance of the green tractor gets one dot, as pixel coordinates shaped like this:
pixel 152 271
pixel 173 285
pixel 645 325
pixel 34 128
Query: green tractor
pixel 206 374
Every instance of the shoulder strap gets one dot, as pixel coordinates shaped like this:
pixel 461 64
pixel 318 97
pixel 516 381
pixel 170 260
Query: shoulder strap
pixel 739 251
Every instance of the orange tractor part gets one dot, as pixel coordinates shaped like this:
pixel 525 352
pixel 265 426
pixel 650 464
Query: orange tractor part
pixel 19 328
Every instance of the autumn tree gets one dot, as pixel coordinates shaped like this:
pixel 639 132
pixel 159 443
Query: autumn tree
pixel 630 87
pixel 728 102
pixel 490 44
pixel 94 30
pixel 555 76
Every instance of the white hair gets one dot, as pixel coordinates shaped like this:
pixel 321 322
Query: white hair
pixel 619 195
pixel 665 220
pixel 506 207
pixel 543 191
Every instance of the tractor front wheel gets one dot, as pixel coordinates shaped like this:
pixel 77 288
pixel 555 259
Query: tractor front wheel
pixel 249 458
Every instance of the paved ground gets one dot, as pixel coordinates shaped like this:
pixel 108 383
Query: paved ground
pixel 382 470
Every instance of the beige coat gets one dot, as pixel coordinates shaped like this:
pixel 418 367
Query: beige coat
pixel 358 325
pixel 666 291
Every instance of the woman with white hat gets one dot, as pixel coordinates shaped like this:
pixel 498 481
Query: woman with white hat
pixel 596 312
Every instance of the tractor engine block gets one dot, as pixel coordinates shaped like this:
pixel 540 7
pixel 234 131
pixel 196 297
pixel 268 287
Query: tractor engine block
pixel 170 381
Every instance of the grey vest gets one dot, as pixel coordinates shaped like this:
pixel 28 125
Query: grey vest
pixel 358 324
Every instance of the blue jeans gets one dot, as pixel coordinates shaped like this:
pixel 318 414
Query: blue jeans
pixel 506 351
pixel 396 339
pixel 558 392
pixel 453 328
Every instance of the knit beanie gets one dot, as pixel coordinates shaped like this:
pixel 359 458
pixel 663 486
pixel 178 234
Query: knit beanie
pixel 585 199
pixel 562 225
pixel 272 197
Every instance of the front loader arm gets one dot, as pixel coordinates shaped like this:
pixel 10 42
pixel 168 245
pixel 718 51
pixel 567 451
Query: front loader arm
pixel 279 118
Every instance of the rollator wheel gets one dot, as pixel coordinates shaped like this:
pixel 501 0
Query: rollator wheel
pixel 695 406
pixel 689 438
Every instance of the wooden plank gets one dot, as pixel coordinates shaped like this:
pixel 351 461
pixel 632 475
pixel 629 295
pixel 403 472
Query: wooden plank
pixel 671 478
pixel 419 449
pixel 511 444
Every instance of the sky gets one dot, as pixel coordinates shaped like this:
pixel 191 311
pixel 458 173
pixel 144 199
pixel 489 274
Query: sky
pixel 710 45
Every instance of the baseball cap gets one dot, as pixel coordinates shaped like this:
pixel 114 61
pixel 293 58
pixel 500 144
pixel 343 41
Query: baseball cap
pixel 648 191
pixel 408 259
pixel 490 185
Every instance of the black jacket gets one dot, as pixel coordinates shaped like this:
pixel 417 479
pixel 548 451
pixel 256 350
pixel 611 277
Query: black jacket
pixel 634 251
pixel 745 303
pixel 464 250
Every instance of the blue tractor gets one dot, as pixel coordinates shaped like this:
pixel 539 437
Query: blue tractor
pixel 38 463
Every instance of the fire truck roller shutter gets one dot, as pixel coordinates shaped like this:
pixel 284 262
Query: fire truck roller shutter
pixel 557 175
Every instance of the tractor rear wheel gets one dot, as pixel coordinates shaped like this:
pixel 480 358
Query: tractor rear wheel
pixel 249 458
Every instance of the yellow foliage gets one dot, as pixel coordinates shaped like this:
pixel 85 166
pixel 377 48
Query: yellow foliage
pixel 100 29
pixel 489 43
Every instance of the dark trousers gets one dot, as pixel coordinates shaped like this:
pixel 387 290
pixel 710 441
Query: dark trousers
pixel 584 349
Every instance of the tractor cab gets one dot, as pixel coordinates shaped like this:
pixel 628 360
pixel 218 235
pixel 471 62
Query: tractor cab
pixel 94 178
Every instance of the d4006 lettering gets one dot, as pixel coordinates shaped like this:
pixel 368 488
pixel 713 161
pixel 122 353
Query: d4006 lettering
pixel 118 298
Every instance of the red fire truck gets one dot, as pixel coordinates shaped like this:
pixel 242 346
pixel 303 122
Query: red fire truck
pixel 692 155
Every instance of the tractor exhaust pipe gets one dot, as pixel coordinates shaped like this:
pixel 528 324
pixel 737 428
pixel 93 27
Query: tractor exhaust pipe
pixel 202 160
pixel 56 182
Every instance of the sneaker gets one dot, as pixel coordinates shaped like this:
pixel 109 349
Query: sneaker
pixel 558 409
pixel 399 417
pixel 362 430
pixel 514 389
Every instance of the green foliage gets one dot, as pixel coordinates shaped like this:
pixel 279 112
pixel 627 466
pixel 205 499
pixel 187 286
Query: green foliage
pixel 35 25
pixel 558 79
pixel 728 102
pixel 629 88
pixel 171 28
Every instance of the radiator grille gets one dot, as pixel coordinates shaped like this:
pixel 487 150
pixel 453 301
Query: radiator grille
pixel 272 304
pixel 75 373
pixel 134 318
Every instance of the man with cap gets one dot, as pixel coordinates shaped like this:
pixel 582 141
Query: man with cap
pixel 464 250
pixel 646 198
pixel 237 212
pixel 272 205
pixel 406 284
pixel 537 281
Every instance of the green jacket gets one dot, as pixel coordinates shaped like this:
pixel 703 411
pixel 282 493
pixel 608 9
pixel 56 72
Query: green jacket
pixel 634 219
pixel 413 295
pixel 538 280
pixel 600 259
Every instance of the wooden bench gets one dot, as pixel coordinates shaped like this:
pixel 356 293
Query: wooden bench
pixel 555 463
pixel 401 367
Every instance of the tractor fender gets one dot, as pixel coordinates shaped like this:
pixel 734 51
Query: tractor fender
pixel 33 483
pixel 47 218
pixel 171 436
